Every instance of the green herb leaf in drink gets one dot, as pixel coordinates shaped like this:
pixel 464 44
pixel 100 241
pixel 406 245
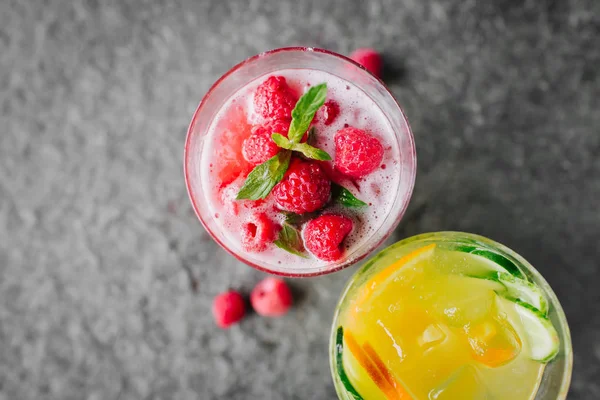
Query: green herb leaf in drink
pixel 345 197
pixel 263 178
pixel 304 148
pixel 304 111
pixel 290 240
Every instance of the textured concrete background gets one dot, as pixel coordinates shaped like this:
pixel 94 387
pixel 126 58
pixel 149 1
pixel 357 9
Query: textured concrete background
pixel 106 276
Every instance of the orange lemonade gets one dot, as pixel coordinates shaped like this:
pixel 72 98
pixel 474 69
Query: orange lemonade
pixel 441 319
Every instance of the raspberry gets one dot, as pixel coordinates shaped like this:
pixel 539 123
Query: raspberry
pixel 304 188
pixel 271 297
pixel 257 233
pixel 274 99
pixel 259 147
pixel 228 308
pixel 231 164
pixel 281 127
pixel 368 58
pixel 324 235
pixel 331 109
pixel 356 152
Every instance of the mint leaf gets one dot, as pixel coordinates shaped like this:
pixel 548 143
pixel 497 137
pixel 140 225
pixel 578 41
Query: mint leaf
pixel 265 176
pixel 311 152
pixel 292 218
pixel 345 197
pixel 298 219
pixel 290 240
pixel 281 141
pixel 304 148
pixel 304 111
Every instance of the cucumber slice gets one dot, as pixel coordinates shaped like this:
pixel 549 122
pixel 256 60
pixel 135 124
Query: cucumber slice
pixel 540 337
pixel 339 352
pixel 515 288
pixel 498 263
pixel 500 260
pixel 524 291
pixel 489 281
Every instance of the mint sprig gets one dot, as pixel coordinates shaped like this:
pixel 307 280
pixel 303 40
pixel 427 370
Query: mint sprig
pixel 304 148
pixel 290 240
pixel 343 196
pixel 304 111
pixel 263 178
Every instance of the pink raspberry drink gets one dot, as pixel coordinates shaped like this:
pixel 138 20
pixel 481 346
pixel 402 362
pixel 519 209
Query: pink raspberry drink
pixel 299 162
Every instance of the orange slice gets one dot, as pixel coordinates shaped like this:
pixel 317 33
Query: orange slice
pixel 368 366
pixel 376 369
pixel 376 282
pixel 402 393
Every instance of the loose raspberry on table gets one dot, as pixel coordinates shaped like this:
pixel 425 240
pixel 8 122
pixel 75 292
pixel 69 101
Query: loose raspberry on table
pixel 368 58
pixel 356 152
pixel 304 188
pixel 274 99
pixel 258 232
pixel 271 297
pixel 324 235
pixel 228 308
pixel 330 111
pixel 259 146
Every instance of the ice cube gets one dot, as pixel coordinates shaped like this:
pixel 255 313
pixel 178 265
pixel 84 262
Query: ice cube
pixel 460 301
pixel 493 342
pixel 442 355
pixel 393 341
pixel 464 383
pixel 432 335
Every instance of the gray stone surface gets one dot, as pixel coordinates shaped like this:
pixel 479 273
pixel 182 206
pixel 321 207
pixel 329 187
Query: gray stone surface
pixel 106 276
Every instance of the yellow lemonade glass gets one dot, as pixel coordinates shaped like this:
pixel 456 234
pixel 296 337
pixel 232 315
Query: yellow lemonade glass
pixel 449 316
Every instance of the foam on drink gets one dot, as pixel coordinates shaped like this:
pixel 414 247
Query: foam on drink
pixel 377 189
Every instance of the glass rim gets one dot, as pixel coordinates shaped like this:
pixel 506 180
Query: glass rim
pixel 522 263
pixel 368 246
